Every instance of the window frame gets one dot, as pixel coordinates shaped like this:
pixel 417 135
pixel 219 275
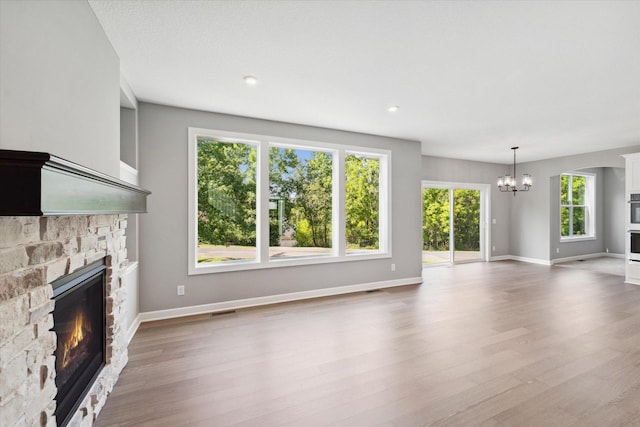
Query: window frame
pixel 272 143
pixel 589 206
pixel 383 198
pixel 263 143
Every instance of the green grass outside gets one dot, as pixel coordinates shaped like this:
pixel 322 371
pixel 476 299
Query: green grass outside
pixel 219 259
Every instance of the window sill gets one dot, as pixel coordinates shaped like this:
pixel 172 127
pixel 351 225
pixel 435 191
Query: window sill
pixel 576 239
pixel 278 263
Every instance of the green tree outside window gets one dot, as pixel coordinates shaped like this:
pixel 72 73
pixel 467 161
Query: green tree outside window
pixel 575 209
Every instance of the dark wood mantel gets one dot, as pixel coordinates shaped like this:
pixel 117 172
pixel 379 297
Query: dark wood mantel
pixel 36 184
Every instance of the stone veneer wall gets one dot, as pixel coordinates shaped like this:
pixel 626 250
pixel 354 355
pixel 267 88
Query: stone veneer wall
pixel 34 251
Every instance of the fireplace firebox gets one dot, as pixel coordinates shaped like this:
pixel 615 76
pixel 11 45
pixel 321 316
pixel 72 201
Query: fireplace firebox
pixel 79 323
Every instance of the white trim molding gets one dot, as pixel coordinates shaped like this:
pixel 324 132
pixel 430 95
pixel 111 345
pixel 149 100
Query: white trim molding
pixel 133 328
pixel 128 173
pixel 216 307
pixel 579 257
pixel 556 260
pixel 530 260
pixel 613 255
pixel 500 258
pixel 521 259
pixel 128 98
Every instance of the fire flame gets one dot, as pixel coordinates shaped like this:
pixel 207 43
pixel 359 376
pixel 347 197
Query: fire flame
pixel 76 336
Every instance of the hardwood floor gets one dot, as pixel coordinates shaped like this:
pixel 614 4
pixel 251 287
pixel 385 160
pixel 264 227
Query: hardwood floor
pixel 484 344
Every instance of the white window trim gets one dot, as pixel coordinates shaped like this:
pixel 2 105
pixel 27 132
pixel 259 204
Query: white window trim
pixel 262 209
pixel 569 239
pixel 590 202
pixel 384 212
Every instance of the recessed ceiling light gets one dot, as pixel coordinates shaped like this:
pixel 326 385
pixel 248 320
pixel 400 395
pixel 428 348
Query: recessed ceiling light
pixel 250 80
pixel 393 108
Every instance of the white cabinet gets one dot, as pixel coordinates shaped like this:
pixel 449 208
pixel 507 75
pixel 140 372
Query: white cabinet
pixel 632 168
pixel 632 185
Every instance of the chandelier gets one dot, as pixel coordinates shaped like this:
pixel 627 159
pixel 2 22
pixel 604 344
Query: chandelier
pixel 508 182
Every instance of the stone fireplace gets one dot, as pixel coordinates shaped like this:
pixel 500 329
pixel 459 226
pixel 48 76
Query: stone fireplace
pixel 59 220
pixel 34 252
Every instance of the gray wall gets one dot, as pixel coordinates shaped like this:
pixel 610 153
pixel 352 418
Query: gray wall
pixel 614 207
pixel 129 136
pixel 60 83
pixel 163 231
pixel 464 171
pixel 531 232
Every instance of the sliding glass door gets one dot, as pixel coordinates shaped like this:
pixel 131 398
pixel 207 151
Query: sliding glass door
pixel 436 230
pixel 452 223
pixel 466 225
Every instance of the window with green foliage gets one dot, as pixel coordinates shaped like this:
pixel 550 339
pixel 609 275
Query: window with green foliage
pixel 301 185
pixel 435 219
pixel 577 207
pixel 466 219
pixel 226 201
pixel 257 202
pixel 362 195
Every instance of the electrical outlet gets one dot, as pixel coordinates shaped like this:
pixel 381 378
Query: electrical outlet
pixel 607 250
pixel 181 290
pixel 557 250
pixel 493 221
pixel 393 267
pixel 493 248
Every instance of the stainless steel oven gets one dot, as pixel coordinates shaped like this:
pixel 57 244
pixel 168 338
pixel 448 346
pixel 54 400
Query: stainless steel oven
pixel 634 250
pixel 634 206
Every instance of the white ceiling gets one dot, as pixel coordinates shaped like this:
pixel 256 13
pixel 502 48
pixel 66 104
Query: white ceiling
pixel 472 79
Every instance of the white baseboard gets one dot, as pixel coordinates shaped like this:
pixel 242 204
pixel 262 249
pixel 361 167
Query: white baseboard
pixel 632 281
pixel 554 261
pixel 612 255
pixel 501 258
pixel 576 258
pixel 133 328
pixel 529 260
pixel 271 299
pixel 586 256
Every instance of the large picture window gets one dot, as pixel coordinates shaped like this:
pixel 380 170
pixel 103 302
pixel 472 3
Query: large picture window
pixel 260 202
pixel 226 201
pixel 362 196
pixel 577 206
pixel 300 207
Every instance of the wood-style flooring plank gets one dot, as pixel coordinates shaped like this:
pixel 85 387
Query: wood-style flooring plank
pixel 483 344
